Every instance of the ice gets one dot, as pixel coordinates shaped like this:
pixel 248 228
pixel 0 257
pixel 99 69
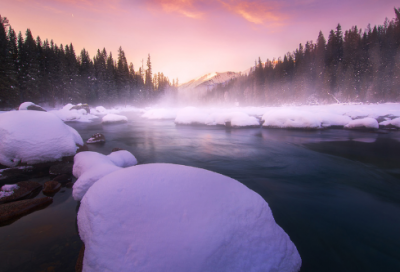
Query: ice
pixel 67 115
pixel 35 136
pixel 363 123
pixel 114 118
pixel 89 167
pixel 165 217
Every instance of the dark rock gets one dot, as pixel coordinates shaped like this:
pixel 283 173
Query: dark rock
pixel 96 138
pixel 82 148
pixel 79 262
pixel 27 189
pixel 51 187
pixel 81 106
pixel 116 149
pixel 35 108
pixel 14 210
pixel 69 184
pixel 68 158
pixel 63 179
pixel 61 169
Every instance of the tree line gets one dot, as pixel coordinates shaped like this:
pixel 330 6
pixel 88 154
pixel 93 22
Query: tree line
pixel 43 72
pixel 354 66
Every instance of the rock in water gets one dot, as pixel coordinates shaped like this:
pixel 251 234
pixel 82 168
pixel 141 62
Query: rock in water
pixel 165 217
pixel 51 187
pixel 63 179
pixel 27 189
pixel 96 138
pixel 14 210
pixel 61 169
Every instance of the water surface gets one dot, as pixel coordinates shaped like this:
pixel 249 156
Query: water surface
pixel 335 192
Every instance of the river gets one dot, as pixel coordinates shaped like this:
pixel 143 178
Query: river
pixel 335 192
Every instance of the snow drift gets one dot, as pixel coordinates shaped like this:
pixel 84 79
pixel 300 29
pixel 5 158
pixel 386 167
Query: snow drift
pixel 165 217
pixel 35 136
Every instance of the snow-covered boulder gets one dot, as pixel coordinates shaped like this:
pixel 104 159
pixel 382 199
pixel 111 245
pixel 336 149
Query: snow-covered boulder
pixel 30 106
pixel 114 118
pixel 68 114
pixel 391 123
pixel 165 217
pixel 89 167
pixel 35 136
pixel 368 123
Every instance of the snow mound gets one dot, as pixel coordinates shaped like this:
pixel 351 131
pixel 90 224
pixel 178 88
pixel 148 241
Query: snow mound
pixel 99 110
pixel 35 136
pixel 395 122
pixel 286 118
pixel 67 114
pixel 90 166
pixel 114 118
pixel 26 105
pixel 363 123
pixel 192 115
pixel 236 119
pixel 165 217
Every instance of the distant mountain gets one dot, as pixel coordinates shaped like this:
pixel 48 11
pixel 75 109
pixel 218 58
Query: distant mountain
pixel 208 81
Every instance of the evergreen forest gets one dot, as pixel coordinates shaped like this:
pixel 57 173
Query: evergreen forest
pixel 44 72
pixel 351 66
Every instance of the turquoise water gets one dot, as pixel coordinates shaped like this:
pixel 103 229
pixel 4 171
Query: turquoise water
pixel 335 192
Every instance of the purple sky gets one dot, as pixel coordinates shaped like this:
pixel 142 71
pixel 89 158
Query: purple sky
pixel 188 38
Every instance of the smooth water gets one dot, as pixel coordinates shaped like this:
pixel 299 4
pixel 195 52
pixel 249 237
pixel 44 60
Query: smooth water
pixel 335 192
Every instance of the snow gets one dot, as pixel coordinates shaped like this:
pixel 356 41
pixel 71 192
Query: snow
pixel 363 123
pixel 35 136
pixel 192 115
pixel 395 122
pixel 237 119
pixel 304 117
pixel 114 118
pixel 25 105
pixel 67 115
pixel 8 189
pixel 90 166
pixel 165 217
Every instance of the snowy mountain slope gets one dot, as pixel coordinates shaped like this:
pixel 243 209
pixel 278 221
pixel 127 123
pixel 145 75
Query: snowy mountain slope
pixel 208 81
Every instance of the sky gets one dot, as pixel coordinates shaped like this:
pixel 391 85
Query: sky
pixel 189 38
